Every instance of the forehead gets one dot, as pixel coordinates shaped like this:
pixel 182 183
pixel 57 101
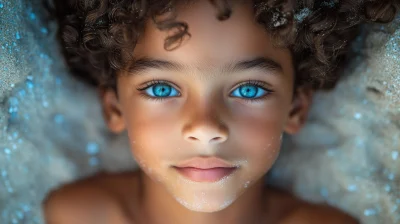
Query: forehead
pixel 213 42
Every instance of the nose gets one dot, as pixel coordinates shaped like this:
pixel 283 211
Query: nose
pixel 205 127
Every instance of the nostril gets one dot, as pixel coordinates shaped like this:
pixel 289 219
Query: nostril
pixel 192 138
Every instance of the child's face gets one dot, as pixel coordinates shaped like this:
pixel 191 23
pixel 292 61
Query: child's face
pixel 204 112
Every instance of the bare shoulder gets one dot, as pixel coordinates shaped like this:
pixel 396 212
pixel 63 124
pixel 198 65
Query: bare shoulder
pixel 292 210
pixel 316 214
pixel 98 199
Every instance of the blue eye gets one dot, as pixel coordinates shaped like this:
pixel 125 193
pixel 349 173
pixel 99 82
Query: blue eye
pixel 161 90
pixel 251 90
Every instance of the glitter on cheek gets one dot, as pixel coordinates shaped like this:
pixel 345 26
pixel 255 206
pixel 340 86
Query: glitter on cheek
pixel 227 203
pixel 246 185
pixel 268 146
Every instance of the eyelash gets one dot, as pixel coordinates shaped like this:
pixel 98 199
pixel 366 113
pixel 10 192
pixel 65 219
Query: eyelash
pixel 255 83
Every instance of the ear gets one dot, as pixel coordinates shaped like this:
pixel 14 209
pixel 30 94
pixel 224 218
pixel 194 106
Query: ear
pixel 111 108
pixel 300 107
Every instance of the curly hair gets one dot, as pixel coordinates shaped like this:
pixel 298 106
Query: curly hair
pixel 99 35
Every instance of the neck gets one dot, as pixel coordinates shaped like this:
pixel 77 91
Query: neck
pixel 158 206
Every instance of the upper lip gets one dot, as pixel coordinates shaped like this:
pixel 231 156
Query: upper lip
pixel 205 163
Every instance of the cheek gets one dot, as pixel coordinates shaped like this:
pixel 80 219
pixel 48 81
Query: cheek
pixel 261 146
pixel 148 153
pixel 150 138
pixel 260 136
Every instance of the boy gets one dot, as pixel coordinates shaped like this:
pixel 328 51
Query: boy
pixel 205 102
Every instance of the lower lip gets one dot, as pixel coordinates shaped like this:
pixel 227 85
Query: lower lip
pixel 205 175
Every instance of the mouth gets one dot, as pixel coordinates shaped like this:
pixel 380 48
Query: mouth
pixel 205 175
pixel 205 169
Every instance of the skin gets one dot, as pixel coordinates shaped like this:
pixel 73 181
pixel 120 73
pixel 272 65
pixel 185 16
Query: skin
pixel 203 115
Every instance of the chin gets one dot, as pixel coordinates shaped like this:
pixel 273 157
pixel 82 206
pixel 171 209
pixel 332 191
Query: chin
pixel 204 204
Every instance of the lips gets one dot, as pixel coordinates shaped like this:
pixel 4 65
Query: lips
pixel 205 163
pixel 205 169
pixel 205 175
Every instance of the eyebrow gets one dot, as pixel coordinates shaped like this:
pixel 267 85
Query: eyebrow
pixel 268 65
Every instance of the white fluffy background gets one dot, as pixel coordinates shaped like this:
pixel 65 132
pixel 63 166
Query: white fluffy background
pixel 52 132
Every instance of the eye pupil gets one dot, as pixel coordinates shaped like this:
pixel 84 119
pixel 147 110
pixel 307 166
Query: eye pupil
pixel 163 91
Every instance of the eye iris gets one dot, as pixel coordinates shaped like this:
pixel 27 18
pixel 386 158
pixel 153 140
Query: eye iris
pixel 248 91
pixel 164 90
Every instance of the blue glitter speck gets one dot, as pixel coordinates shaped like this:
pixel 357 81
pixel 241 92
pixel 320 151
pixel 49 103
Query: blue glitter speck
pixel 32 16
pixel 59 118
pixel 352 188
pixel 324 192
pixel 390 176
pixel 29 84
pixel 22 92
pixel 387 188
pixel 357 116
pixel 7 151
pixel 44 30
pixel 10 190
pixel 26 208
pixel 93 161
pixel 395 155
pixel 1 5
pixel 18 36
pixel 370 212
pixel 92 148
